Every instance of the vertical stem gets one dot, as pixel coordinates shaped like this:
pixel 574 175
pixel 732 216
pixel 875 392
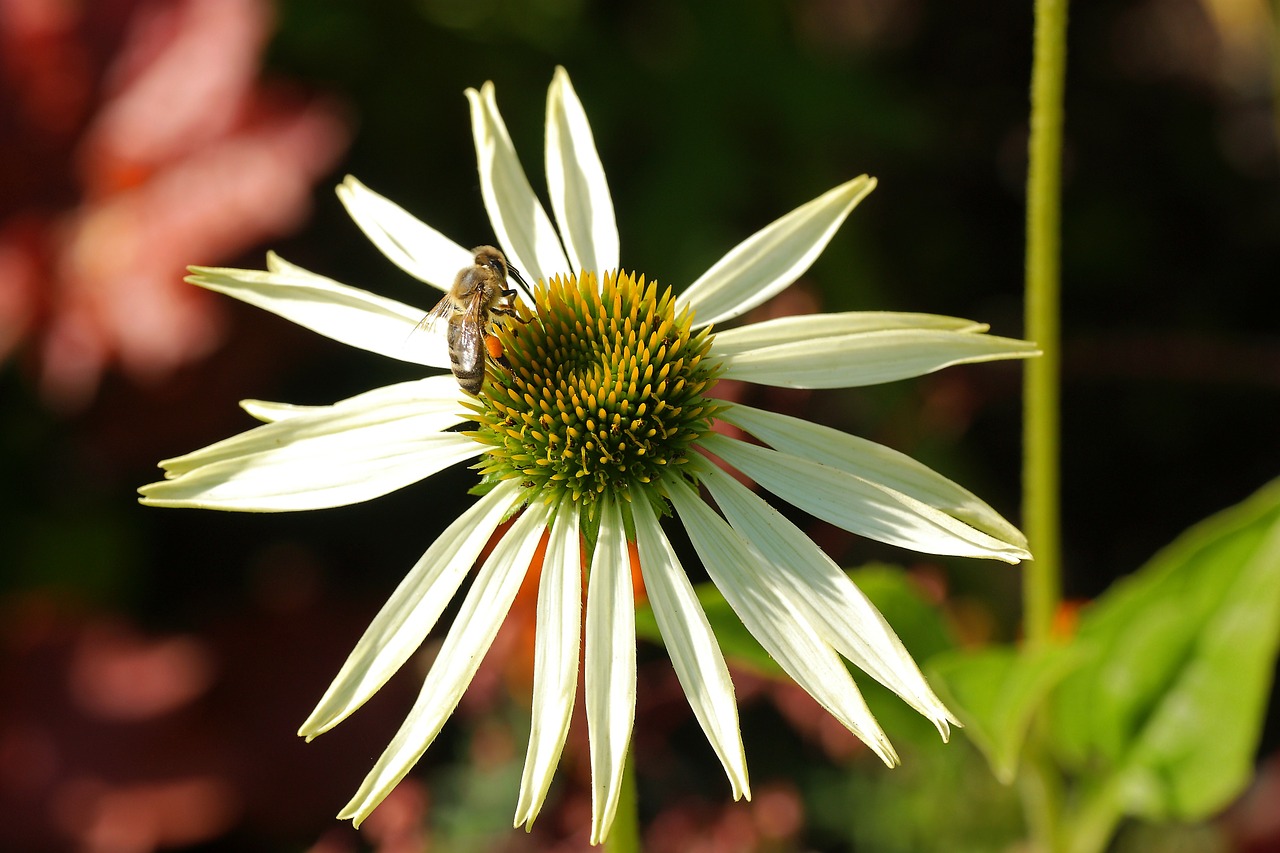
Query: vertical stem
pixel 1040 791
pixel 624 835
pixel 1042 577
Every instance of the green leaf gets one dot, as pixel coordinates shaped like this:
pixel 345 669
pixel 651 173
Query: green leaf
pixel 917 623
pixel 739 647
pixel 1166 712
pixel 996 693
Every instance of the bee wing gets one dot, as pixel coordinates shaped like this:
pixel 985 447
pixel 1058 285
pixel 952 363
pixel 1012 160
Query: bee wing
pixel 440 312
pixel 469 343
pixel 425 343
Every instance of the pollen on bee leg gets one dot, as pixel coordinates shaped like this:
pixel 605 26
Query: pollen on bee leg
pixel 494 346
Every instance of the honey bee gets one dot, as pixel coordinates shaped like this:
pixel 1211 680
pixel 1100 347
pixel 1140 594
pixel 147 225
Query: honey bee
pixel 478 293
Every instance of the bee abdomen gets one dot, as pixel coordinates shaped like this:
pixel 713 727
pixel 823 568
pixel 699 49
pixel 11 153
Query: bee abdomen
pixel 470 382
pixel 466 360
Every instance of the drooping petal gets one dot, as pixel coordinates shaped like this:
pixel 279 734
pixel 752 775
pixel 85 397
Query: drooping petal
pixel 873 462
pixel 523 229
pixel 576 181
pixel 860 506
pixel 610 667
pixel 868 358
pixel 412 610
pixel 555 664
pixel 268 411
pixel 750 585
pixel 356 450
pixel 695 653
pixel 767 262
pixel 832 602
pixel 811 327
pixel 482 612
pixel 431 403
pixel 345 314
pixel 409 243
pixel 436 394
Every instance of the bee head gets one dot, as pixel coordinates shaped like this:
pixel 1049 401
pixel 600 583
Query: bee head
pixel 493 259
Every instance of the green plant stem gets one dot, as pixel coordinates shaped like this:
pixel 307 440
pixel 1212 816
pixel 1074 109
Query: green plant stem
pixel 1042 577
pixel 1094 821
pixel 624 835
pixel 1040 783
pixel 1040 791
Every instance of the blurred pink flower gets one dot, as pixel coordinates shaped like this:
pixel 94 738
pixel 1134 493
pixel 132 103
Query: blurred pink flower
pixel 116 177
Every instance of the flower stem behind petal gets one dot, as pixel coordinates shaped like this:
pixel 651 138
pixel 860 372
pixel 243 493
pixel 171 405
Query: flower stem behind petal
pixel 610 666
pixel 555 669
pixel 624 835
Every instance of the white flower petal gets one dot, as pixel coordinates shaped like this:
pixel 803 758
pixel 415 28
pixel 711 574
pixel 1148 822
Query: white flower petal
pixel 269 412
pixel 695 653
pixel 356 450
pixel 576 181
pixel 412 610
pixel 409 243
pixel 345 314
pixel 810 327
pixel 767 262
pixel 482 613
pixel 868 358
pixel 873 462
pixel 435 393
pixel 324 474
pixel 831 601
pixel 750 584
pixel 431 405
pixel 555 664
pixel 858 505
pixel 610 666
pixel 438 395
pixel 521 225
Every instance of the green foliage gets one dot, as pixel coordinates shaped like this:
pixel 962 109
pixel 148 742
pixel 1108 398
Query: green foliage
pixel 941 798
pixel 1155 706
pixel 739 647
pixel 997 691
pixel 1167 709
pixel 918 623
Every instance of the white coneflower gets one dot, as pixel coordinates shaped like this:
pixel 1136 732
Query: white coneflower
pixel 593 428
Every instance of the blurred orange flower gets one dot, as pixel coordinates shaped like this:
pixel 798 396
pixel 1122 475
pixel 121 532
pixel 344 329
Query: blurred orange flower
pixel 137 136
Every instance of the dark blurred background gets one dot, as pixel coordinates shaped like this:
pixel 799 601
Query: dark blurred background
pixel 154 664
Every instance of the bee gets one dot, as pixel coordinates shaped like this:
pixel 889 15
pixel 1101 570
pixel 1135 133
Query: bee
pixel 478 293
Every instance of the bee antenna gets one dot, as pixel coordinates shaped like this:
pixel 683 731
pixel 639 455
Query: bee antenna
pixel 519 279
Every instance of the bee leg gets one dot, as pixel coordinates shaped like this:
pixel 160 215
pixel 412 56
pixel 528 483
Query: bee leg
pixel 508 312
